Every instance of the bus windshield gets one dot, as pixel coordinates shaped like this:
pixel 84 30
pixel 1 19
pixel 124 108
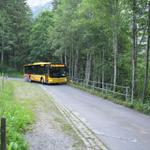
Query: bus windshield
pixel 58 72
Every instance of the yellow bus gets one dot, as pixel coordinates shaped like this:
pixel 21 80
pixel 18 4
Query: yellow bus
pixel 45 72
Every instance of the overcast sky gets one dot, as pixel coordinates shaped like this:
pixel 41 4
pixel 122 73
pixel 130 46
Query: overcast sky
pixel 34 3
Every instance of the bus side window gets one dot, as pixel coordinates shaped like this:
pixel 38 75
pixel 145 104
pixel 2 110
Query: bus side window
pixel 32 70
pixel 46 70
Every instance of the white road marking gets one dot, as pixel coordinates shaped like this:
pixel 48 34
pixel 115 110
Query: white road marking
pixel 132 140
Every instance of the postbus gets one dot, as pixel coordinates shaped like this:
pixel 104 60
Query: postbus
pixel 45 72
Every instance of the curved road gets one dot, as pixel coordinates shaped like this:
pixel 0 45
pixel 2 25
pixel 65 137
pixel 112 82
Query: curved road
pixel 118 127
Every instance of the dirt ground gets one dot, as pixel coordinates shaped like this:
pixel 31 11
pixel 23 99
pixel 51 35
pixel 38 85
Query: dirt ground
pixel 44 135
pixel 50 130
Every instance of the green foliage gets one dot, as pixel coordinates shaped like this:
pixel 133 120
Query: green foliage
pixel 79 33
pixel 10 72
pixel 18 118
pixel 15 23
pixel 38 39
pixel 83 27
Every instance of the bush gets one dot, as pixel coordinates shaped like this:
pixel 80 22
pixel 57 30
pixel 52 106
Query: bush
pixel 11 72
pixel 146 107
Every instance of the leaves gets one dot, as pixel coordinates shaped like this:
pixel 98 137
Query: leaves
pixel 14 28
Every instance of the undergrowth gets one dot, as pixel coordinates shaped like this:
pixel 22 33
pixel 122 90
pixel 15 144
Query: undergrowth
pixel 10 72
pixel 18 118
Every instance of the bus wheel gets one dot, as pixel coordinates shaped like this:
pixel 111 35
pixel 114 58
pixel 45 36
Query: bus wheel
pixel 42 80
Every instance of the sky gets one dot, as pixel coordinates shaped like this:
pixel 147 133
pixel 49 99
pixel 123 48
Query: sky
pixel 35 3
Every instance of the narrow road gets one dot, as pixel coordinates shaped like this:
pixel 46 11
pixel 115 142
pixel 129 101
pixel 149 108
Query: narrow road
pixel 118 127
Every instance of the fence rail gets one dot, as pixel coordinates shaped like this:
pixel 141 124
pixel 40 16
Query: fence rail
pixel 105 87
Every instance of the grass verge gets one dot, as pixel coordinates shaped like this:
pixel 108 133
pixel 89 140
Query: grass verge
pixel 19 103
pixel 18 117
pixel 14 74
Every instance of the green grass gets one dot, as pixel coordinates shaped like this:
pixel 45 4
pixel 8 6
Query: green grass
pixel 14 74
pixel 18 117
pixel 137 105
pixel 19 103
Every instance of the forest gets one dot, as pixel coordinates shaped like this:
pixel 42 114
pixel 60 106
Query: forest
pixel 105 41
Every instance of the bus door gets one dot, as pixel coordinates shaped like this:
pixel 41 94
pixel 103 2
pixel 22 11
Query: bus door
pixel 46 73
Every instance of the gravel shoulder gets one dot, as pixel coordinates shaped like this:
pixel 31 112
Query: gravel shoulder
pixel 44 135
pixel 50 130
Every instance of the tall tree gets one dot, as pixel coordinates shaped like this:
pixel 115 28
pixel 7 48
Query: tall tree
pixel 147 58
pixel 134 49
pixel 38 39
pixel 114 5
pixel 15 25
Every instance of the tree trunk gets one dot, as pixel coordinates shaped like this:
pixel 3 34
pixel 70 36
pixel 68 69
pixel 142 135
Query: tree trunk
pixel 95 71
pixel 61 58
pixel 147 59
pixel 115 47
pixel 72 58
pixel 134 50
pixel 70 64
pixel 103 72
pixel 88 68
pixel 115 42
pixel 2 56
pixel 2 50
pixel 65 57
pixel 76 63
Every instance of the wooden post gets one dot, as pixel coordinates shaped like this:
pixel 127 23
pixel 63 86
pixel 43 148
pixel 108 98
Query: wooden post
pixel 2 81
pixel 77 81
pixel 103 88
pixel 106 88
pixel 93 85
pixel 127 93
pixel 3 133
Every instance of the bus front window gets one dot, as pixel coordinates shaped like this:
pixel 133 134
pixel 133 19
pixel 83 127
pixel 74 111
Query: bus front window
pixel 57 72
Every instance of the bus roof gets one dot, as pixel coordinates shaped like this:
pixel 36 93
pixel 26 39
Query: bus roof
pixel 38 63
pixel 45 63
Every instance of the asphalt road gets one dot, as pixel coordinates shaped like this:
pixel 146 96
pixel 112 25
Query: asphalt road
pixel 118 127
